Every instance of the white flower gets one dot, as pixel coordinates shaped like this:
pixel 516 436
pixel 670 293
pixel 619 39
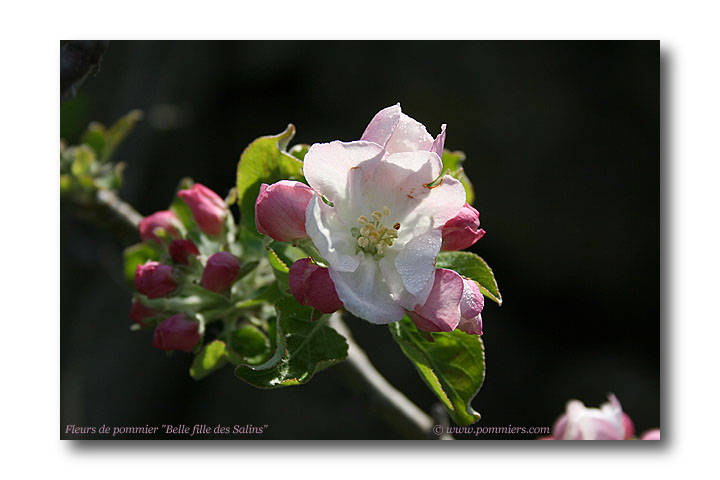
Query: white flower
pixel 382 229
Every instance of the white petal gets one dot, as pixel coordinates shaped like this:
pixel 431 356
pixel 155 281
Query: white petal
pixel 326 165
pixel 409 136
pixel 441 203
pixel 365 294
pixel 330 236
pixel 416 263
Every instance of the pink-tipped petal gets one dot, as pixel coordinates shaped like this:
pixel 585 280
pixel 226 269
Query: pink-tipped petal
pixel 463 230
pixel 471 306
pixel 628 426
pixel 382 126
pixel 441 310
pixel 438 145
pixel 280 210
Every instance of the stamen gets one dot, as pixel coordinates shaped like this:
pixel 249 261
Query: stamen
pixel 397 226
pixel 362 220
pixel 377 215
pixel 386 211
pixel 362 242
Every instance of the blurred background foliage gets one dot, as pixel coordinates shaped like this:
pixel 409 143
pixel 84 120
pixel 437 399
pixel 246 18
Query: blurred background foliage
pixel 563 148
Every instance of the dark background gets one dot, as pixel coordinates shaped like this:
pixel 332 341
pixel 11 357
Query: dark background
pixel 562 142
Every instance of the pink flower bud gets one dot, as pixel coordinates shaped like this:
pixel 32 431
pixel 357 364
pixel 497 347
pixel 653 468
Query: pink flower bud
pixel 441 310
pixel 164 219
pixel 220 272
pixel 462 231
pixel 653 434
pixel 209 210
pixel 180 250
pixel 176 333
pixel 471 305
pixel 154 279
pixel 312 286
pixel 280 210
pixel 139 313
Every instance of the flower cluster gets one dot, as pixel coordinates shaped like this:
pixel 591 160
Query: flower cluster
pixel 377 212
pixel 608 422
pixel 174 289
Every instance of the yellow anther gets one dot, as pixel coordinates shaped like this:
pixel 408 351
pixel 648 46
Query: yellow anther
pixel 392 233
pixel 382 231
pixel 364 231
pixel 386 211
pixel 362 219
pixel 377 215
pixel 362 242
pixel 380 247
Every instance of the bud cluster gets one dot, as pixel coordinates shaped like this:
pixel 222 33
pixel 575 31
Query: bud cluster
pixel 191 274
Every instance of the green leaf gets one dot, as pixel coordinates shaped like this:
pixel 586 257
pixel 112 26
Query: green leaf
pixel 105 141
pixel 282 256
pixel 473 267
pixel 84 160
pixel 213 356
pixel 281 270
pixel 298 151
pixel 265 160
pixel 452 365
pixel 180 208
pixel 302 347
pixel 452 164
pixel 137 254
pixel 250 344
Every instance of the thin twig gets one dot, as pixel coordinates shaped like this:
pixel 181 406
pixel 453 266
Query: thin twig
pixel 390 403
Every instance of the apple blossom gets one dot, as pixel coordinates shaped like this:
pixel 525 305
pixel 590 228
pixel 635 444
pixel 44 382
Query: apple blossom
pixel 177 332
pixel 154 280
pixel 381 230
pixel 462 231
pixel 180 249
pixel 280 210
pixel 220 272
pixel 608 422
pixel 208 209
pixel 164 219
pixel 312 286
